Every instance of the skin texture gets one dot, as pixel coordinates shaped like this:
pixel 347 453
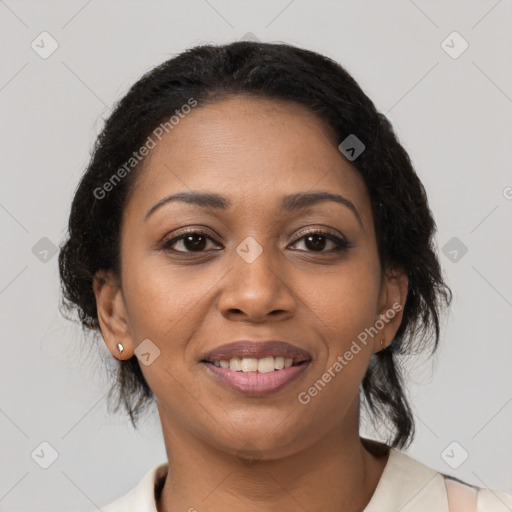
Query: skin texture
pixel 227 451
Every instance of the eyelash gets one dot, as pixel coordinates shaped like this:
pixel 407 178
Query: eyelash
pixel 340 243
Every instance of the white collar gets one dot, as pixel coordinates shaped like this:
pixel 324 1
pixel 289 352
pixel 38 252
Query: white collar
pixel 408 485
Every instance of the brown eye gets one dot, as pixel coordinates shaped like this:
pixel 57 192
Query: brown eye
pixel 193 241
pixel 316 241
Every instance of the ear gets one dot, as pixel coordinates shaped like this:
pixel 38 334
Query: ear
pixel 112 314
pixel 394 289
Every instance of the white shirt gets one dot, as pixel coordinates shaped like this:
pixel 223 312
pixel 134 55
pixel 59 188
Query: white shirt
pixel 406 485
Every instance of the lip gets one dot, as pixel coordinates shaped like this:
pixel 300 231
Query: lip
pixel 258 350
pixel 254 383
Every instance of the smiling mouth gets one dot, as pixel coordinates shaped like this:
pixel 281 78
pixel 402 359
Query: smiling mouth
pixel 256 377
pixel 256 368
pixel 255 365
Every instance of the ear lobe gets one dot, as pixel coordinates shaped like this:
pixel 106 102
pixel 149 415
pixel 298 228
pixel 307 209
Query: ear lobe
pixel 389 318
pixel 112 315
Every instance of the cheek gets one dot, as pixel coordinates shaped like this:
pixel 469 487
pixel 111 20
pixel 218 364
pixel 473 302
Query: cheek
pixel 343 308
pixel 346 301
pixel 163 301
pixel 167 307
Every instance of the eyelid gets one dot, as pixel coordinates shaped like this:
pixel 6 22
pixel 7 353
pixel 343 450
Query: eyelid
pixel 191 230
pixel 324 231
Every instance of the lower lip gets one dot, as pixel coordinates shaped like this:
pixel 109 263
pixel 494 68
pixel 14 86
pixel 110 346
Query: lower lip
pixel 255 383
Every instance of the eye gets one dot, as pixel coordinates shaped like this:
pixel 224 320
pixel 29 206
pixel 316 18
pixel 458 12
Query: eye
pixel 197 241
pixel 193 241
pixel 315 241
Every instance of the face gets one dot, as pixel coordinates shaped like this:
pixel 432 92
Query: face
pixel 257 266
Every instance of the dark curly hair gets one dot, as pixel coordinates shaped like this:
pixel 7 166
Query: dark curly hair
pixel 404 224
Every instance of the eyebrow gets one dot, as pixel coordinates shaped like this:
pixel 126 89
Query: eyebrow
pixel 289 203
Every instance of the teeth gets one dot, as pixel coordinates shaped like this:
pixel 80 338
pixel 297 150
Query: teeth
pixel 235 364
pixel 251 364
pixel 266 365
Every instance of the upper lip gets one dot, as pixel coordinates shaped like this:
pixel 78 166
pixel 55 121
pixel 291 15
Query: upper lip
pixel 258 350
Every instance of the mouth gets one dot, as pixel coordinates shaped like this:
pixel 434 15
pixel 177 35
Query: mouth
pixel 256 368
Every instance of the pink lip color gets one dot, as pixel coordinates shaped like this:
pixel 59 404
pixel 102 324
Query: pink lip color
pixel 255 383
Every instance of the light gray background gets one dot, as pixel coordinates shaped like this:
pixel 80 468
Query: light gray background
pixel 452 115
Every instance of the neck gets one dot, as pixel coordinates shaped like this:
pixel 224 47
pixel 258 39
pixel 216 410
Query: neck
pixel 339 472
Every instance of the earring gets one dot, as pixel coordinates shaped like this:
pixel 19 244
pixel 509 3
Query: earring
pixel 120 348
pixel 382 343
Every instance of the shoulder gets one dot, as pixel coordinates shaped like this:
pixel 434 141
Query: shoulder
pixel 466 497
pixel 490 500
pixel 411 486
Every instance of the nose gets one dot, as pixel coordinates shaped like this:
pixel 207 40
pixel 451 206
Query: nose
pixel 257 291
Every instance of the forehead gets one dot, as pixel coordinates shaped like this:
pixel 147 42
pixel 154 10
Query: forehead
pixel 250 149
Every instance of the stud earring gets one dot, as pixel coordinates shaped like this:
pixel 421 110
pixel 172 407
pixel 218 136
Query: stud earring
pixel 382 343
pixel 120 348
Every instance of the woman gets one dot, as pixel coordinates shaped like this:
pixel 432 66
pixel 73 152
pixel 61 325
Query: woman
pixel 250 229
